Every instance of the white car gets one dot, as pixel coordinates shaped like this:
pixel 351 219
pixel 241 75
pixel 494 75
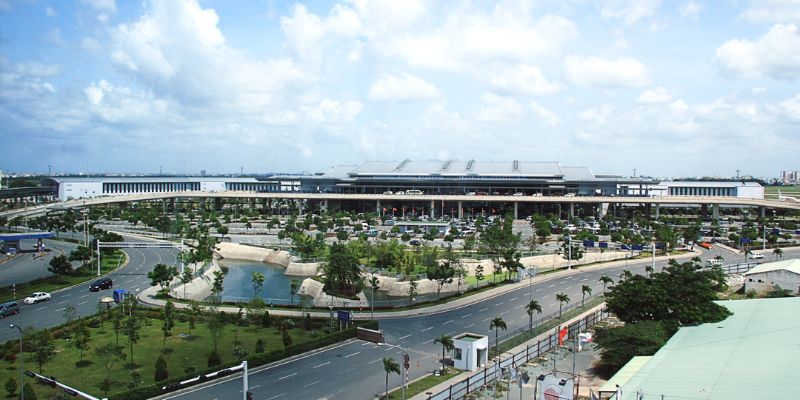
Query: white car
pixel 37 297
pixel 756 256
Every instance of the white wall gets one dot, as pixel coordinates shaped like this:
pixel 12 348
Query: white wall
pixel 212 186
pixel 78 190
pixel 783 278
pixel 750 192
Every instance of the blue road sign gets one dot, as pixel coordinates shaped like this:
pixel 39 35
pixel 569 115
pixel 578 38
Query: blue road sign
pixel 343 315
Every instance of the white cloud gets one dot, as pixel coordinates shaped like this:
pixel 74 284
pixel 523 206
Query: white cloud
pixel 593 71
pixel 791 107
pixel 122 105
pixel 50 12
pixel 408 87
pixel 102 5
pixel 655 96
pixel 306 33
pixel 548 117
pixel 499 109
pixel 691 9
pixel 333 111
pixel 774 55
pixel 773 11
pixel 597 115
pixel 522 79
pixel 629 11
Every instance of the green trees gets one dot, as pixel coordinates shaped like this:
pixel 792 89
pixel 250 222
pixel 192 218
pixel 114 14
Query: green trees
pixel 11 385
pixel 342 275
pixel 390 366
pixel 585 289
pixel 496 324
pixel 294 286
pixel 442 273
pixel 623 343
pixel 498 240
pixel 59 265
pixel 412 291
pixel 447 345
pixel 218 286
pixel 561 298
pixel 532 306
pixel 82 254
pixel 44 348
pixel 132 325
pixel 167 321
pixel 186 277
pixel 606 281
pixel 162 275
pixel 161 372
pixel 81 339
pixel 777 253
pixel 256 281
pixel 222 230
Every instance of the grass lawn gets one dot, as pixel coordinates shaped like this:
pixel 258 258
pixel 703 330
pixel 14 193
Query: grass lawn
pixel 109 263
pixel 472 280
pixel 787 190
pixel 184 354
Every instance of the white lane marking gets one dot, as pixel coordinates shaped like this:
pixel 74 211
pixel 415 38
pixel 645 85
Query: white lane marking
pixel 584 279
pixel 66 295
pixel 61 309
pixel 82 303
pixel 469 326
pixel 374 361
pixel 287 376
pixel 366 343
pixel 404 337
pixel 482 309
pixel 447 322
pixel 512 299
pixel 63 302
pixel 312 384
pixel 427 329
pixel 354 354
pixel 427 341
pixel 499 304
pixel 569 287
pixel 553 285
pixel 322 365
pixel 276 396
pixel 466 316
pixel 539 289
pixel 504 313
pixel 40 308
pixel 517 308
pixel 85 296
pixel 487 319
pixel 253 387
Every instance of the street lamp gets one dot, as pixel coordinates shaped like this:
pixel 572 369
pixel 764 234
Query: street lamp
pixel 403 374
pixel 21 355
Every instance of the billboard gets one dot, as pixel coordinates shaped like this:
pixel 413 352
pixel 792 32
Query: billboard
pixel 555 388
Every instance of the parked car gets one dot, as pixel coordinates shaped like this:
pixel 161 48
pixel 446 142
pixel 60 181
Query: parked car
pixel 569 195
pixel 100 284
pixel 518 194
pixel 415 242
pixel 10 308
pixel 388 192
pixel 37 297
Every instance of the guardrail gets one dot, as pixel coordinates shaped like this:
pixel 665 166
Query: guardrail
pixel 491 373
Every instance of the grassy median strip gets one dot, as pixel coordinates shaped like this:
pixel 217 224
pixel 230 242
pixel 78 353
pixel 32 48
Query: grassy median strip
pixel 421 385
pixel 53 283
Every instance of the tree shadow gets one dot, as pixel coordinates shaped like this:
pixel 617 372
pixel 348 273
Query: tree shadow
pixel 83 364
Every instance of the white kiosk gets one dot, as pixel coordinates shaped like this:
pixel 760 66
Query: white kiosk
pixel 470 351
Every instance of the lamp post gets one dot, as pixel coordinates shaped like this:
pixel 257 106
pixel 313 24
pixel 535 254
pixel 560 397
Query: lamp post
pixel 403 374
pixel 569 249
pixel 21 356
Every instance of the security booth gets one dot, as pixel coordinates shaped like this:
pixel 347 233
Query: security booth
pixel 470 351
pixel 11 240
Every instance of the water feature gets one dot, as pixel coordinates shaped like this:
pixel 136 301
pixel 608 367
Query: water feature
pixel 238 287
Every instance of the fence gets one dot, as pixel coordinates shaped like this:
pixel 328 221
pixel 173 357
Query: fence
pixel 490 374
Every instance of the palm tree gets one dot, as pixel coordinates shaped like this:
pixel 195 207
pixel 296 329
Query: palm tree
pixel 389 366
pixel 497 324
pixel 777 252
pixel 586 289
pixel 447 345
pixel 719 257
pixel 606 281
pixel 562 298
pixel 530 308
pixel 649 270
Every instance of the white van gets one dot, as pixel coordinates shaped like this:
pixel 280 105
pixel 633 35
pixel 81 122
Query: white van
pixel 414 192
pixel 714 262
pixel 756 256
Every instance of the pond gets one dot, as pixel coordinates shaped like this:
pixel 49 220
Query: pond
pixel 238 287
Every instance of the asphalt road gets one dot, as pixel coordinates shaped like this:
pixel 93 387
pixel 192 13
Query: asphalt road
pixel 30 264
pixel 353 370
pixel 132 277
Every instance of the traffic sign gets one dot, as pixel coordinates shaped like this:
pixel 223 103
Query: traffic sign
pixel 344 315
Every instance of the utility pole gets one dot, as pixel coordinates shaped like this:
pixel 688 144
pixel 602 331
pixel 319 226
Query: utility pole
pixel 49 170
pixel 634 172
pixel 737 174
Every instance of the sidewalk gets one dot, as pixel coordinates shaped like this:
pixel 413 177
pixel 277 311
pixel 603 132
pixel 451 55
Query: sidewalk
pixel 446 384
pixel 147 296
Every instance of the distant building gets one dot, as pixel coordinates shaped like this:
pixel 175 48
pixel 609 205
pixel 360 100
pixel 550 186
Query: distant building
pixel 765 277
pixel 790 177
pixel 746 190
pixel 750 355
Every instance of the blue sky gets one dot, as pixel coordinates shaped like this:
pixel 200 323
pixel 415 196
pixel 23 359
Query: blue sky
pixel 671 88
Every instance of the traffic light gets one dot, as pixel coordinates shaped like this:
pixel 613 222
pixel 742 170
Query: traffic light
pixel 249 395
pixel 406 360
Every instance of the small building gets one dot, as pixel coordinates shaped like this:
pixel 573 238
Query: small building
pixel 470 351
pixel 765 277
pixel 10 241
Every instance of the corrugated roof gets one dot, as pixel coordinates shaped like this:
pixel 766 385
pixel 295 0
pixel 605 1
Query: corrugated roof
pixel 456 167
pixel 152 179
pixel 709 183
pixel 751 355
pixel 788 265
pixel 577 174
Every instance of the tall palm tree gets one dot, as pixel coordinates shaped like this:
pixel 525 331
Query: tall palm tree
pixel 530 308
pixel 497 324
pixel 777 252
pixel 447 345
pixel 719 257
pixel 585 289
pixel 606 281
pixel 389 366
pixel 562 298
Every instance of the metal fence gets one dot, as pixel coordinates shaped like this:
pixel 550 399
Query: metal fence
pixel 490 374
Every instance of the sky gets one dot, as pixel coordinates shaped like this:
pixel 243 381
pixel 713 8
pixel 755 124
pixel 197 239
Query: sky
pixel 669 88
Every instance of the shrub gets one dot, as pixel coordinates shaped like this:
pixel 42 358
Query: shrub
pixel 213 359
pixel 27 390
pixel 260 345
pixel 161 369
pixel 11 386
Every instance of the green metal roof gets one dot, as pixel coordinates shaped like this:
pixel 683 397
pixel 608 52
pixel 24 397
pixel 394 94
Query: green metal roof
pixel 625 374
pixel 751 355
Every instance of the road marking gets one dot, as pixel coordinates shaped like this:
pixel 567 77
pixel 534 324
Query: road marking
pixel 354 354
pixel 287 376
pixel 427 329
pixel 82 303
pixel 553 285
pixel 482 309
pixel 366 343
pixel 40 308
pixel 469 326
pixel 539 289
pixel 404 337
pixel 584 279
pixel 512 299
pixel 61 309
pixel 487 319
pixel 66 295
pixel 253 387
pixel 84 296
pixel 322 365
pixel 498 304
pixel 276 396
pixel 517 308
pixel 312 384
pixel 447 322
pixel 466 316
pixel 504 313
pixel 427 341
pixel 62 302
pixel 569 287
pixel 374 361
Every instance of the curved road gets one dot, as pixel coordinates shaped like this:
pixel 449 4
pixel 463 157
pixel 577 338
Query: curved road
pixel 133 277
pixel 353 369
